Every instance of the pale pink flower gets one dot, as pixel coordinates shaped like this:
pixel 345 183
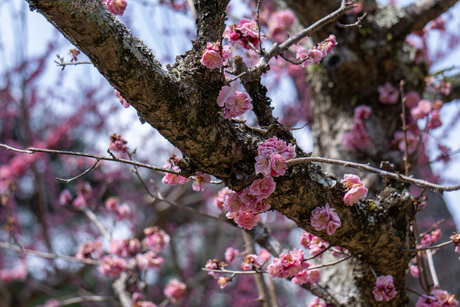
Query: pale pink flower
pixel 263 163
pixel 422 109
pixel 155 239
pixel 246 220
pixel 212 265
pixel 436 235
pixel 384 288
pixel 111 204
pixel 65 197
pixel 287 265
pixel 123 212
pixel 316 302
pixel 435 120
pixel 219 199
pixel 309 56
pixel 277 165
pixel 358 137
pixel 260 206
pixel 307 276
pixel 245 34
pixel 414 270
pixel 444 298
pixel 148 260
pixel 356 189
pixel 264 254
pixel 250 261
pixel 201 181
pixel 116 7
pixel 80 202
pixel 175 290
pixel 315 244
pixel 412 99
pixel 248 199
pixel 212 59
pixel 222 282
pixel 125 248
pixel 123 101
pixel 325 218
pixel 263 188
pixel 411 141
pixel 279 22
pixel 112 266
pixel 426 240
pixel 232 202
pixel 230 254
pixel 388 94
pixel 236 104
pixel 173 179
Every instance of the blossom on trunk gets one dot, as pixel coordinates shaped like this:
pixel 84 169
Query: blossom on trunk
pixel 384 288
pixel 325 218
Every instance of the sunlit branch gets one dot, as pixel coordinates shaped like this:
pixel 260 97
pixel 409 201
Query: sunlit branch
pixel 329 264
pixel 90 214
pixel 382 173
pixel 351 25
pixel 428 247
pixel 89 298
pixel 47 255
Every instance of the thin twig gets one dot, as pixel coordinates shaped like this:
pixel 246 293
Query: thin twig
pixel 434 276
pixel 428 247
pixel 47 255
pixel 90 298
pixel 231 272
pixel 330 263
pixel 90 214
pixel 79 176
pixel 64 64
pixel 258 27
pixel 404 128
pixel 351 25
pixel 382 173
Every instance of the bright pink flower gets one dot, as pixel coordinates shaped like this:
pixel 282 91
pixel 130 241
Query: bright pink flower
pixel 436 235
pixel 212 59
pixel 307 276
pixel 263 188
pixel 175 290
pixel 263 165
pixel 412 99
pixel 116 7
pixel 232 202
pixel 287 265
pixel 414 270
pixel 315 244
pixel 356 189
pixel 212 265
pixel 250 261
pixel 426 240
pixel 245 34
pixel 118 144
pixel 219 199
pixel 277 165
pixel 317 303
pixel 112 266
pixel 148 260
pixel 325 218
pixel 427 301
pixel 358 137
pixel 246 220
pixel 248 199
pixel 388 94
pixel 173 179
pixel 444 298
pixel 230 254
pixel 155 238
pixel 309 56
pixel 201 181
pixel 123 101
pixel 384 288
pixel 236 105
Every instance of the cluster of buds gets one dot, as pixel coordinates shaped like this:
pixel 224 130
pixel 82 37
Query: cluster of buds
pixel 294 265
pixel 317 53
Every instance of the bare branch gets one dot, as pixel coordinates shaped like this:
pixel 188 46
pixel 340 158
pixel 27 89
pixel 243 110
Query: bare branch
pixel 382 173
pixel 81 175
pixel 90 214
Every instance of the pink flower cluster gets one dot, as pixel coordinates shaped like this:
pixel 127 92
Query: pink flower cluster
pixel 236 104
pixel 388 94
pixel 244 33
pixel 211 56
pixel 356 191
pixel 315 302
pixel 439 298
pixel 173 179
pixel 251 262
pixel 90 250
pixel 175 290
pixel 279 22
pixel 125 248
pixel 424 108
pixel 294 265
pixel 430 238
pixel 230 254
pixel 84 191
pixel 149 260
pixel 384 288
pixel 219 199
pixel 116 7
pixel 325 218
pixel 122 211
pixel 358 137
pixel 112 266
pixel 273 154
pixel 315 244
pixel 123 101
pixel 201 181
pixel 456 241
pixel 118 144
pixel 155 239
pixel 317 53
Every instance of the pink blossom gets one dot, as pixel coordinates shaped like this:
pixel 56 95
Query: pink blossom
pixel 358 137
pixel 412 99
pixel 260 206
pixel 125 248
pixel 422 109
pixel 118 144
pixel 456 241
pixel 356 189
pixel 362 112
pixel 90 250
pixel 250 261
pixel 175 290
pixel 263 188
pixel 287 265
pixel 263 165
pixel 384 288
pixel 219 199
pixel 212 59
pixel 65 197
pixel 388 94
pixel 112 266
pixel 222 282
pixel 444 298
pixel 436 235
pixel 414 271
pixel 246 220
pixel 245 34
pixel 201 181
pixel 212 265
pixel 264 254
pixel 18 273
pixel 307 276
pixel 411 141
pixel 230 254
pixel 325 218
pixel 279 22
pixel 232 202
pixel 123 212
pixel 123 101
pixel 173 179
pixel 426 240
pixel 80 202
pixel 236 105
pixel 248 199
pixel 155 238
pixel 435 120
pixel 310 56
pixel 315 302
pixel 315 244
pixel 112 204
pixel 116 7
pixel 148 260
pixel 277 165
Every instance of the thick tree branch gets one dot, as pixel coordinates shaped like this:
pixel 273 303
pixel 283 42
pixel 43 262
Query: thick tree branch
pixel 417 15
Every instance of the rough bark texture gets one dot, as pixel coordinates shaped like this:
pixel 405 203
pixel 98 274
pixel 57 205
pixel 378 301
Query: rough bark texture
pixel 180 102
